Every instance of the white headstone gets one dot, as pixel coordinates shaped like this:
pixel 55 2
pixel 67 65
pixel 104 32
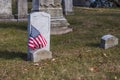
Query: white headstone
pixel 108 41
pixel 68 6
pixel 39 21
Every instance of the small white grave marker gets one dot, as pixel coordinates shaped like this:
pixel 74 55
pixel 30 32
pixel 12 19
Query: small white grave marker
pixel 39 36
pixel 108 41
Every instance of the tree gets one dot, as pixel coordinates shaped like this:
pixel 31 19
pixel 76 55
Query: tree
pixel 115 2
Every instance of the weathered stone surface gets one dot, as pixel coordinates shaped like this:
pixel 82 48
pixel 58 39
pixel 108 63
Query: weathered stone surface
pixel 41 22
pixel 41 55
pixel 46 3
pixel 22 9
pixel 108 41
pixel 58 21
pixel 6 9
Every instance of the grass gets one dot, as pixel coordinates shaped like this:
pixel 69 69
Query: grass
pixel 76 55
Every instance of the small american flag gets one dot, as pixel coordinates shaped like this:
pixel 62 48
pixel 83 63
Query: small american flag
pixel 36 40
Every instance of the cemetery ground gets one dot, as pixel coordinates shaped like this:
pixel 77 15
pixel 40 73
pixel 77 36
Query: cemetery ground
pixel 76 55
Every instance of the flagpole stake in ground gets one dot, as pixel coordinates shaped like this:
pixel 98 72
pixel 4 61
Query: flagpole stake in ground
pixel 39 36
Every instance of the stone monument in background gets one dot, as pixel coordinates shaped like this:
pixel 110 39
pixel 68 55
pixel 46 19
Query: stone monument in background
pixel 6 9
pixel 22 9
pixel 59 24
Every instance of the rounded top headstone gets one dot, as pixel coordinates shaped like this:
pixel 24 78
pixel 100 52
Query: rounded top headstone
pixel 105 37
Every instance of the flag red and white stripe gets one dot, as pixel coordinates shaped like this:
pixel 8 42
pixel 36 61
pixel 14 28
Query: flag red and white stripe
pixel 37 42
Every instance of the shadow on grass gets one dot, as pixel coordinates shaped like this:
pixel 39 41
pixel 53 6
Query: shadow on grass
pixel 13 55
pixel 95 45
pixel 16 25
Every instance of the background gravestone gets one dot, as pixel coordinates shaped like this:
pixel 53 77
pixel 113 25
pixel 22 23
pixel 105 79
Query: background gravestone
pixel 67 6
pixel 6 9
pixel 59 24
pixel 22 9
pixel 41 22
